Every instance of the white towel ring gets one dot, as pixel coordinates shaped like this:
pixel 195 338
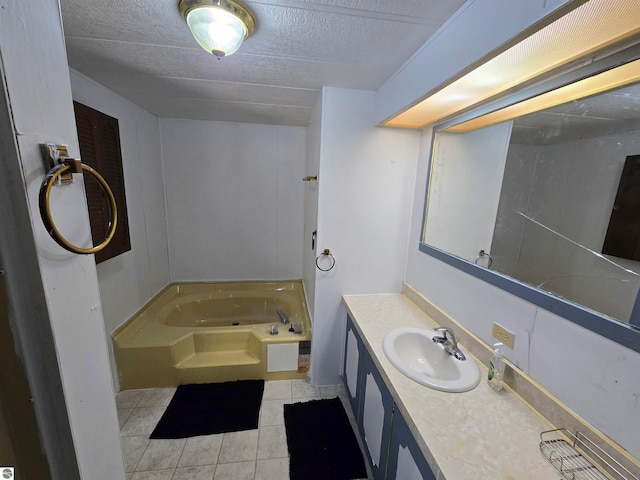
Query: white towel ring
pixel 482 254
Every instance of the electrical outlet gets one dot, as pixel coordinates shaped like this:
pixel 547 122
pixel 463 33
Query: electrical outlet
pixel 507 337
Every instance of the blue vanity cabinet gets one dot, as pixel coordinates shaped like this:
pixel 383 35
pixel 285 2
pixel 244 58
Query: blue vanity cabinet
pixel 352 367
pixel 391 450
pixel 370 400
pixel 376 412
pixel 406 461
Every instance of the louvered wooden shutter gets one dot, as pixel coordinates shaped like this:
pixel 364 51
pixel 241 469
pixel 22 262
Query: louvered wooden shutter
pixel 99 139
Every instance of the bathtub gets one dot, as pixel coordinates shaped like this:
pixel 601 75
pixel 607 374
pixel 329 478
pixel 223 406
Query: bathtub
pixel 213 332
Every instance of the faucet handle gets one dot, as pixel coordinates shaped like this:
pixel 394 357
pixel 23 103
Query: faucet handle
pixel 448 334
pixel 449 342
pixel 445 330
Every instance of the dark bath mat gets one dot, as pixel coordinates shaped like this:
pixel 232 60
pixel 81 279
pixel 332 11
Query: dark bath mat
pixel 321 442
pixel 204 409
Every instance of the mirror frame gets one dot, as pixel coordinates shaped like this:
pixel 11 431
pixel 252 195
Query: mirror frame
pixel 627 335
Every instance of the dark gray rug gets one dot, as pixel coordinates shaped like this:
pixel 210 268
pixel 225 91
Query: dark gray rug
pixel 205 409
pixel 321 442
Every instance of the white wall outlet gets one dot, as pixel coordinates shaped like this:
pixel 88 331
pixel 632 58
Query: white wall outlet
pixel 507 337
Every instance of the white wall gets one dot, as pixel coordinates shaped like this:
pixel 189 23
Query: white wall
pixel 235 200
pixel 311 204
pixel 37 81
pixel 145 268
pixel 465 189
pixel 364 202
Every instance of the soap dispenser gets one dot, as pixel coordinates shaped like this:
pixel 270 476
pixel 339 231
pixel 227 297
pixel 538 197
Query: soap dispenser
pixel 496 367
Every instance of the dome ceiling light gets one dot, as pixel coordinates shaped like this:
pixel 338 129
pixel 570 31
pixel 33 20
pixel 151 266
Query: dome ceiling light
pixel 219 26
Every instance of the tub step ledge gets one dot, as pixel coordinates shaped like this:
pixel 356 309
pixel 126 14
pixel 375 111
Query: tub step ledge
pixel 215 359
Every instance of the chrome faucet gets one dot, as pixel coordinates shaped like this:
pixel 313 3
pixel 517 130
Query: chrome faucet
pixel 283 317
pixel 449 342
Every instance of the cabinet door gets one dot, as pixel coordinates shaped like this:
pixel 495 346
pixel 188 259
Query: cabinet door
pixel 353 349
pixel 376 406
pixel 406 461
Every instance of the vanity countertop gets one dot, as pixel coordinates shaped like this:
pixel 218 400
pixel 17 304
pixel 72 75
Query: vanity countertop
pixel 480 434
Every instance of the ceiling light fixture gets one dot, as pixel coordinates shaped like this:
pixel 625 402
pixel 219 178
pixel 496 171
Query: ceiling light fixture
pixel 219 26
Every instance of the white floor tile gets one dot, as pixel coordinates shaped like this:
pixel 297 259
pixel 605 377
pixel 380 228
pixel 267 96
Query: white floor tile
pixel 157 475
pixel 303 389
pixel 236 471
pixel 123 415
pixel 259 454
pixel 239 446
pixel 331 391
pixel 272 442
pixel 195 473
pixel 161 454
pixel 305 399
pixel 272 469
pixel 277 389
pixel 271 412
pixel 203 450
pixel 129 398
pixel 132 450
pixel 157 397
pixel 142 421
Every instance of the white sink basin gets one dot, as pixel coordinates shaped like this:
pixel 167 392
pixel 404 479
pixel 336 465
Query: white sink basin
pixel 415 354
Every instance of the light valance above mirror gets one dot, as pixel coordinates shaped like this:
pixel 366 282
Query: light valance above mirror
pixel 574 35
pixel 536 194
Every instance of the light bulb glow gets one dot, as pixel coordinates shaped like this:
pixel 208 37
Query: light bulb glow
pixel 216 30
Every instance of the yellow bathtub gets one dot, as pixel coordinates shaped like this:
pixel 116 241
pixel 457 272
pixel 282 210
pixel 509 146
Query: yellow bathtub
pixel 214 332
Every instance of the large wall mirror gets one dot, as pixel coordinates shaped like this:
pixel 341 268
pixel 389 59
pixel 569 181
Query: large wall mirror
pixel 546 205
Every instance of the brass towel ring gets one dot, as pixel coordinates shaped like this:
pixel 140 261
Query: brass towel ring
pixel 326 253
pixel 45 212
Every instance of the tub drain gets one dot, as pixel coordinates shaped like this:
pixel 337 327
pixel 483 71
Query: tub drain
pixel 235 323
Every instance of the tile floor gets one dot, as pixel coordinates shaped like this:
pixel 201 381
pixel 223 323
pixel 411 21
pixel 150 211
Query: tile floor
pixel 250 455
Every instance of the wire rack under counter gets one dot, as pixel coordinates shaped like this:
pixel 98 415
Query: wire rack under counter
pixel 577 457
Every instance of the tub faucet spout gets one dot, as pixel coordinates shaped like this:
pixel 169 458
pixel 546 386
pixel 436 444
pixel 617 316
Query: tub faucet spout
pixel 283 317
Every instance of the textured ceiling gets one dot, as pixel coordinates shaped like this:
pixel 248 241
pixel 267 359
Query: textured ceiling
pixel 143 50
